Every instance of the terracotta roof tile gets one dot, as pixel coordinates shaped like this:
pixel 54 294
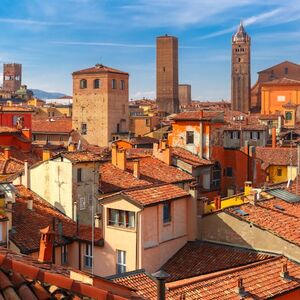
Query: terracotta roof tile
pixel 98 69
pixel 283 223
pixel 190 158
pixel 27 223
pixel 197 116
pixel 10 165
pixel 57 125
pixel 276 156
pixel 198 258
pixel 80 156
pixel 157 194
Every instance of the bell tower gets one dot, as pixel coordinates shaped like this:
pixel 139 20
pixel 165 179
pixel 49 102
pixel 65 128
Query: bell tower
pixel 240 71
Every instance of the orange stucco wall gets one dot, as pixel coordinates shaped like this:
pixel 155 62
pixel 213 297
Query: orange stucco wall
pixel 275 96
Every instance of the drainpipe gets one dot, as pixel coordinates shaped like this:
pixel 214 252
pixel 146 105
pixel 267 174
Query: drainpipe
pixel 161 277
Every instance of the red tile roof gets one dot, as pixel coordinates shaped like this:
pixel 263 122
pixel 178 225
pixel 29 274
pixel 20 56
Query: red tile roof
pixel 197 116
pixel 23 277
pixel 261 280
pixel 198 258
pixel 79 156
pixel 283 156
pixel 152 171
pixel 282 81
pixel 53 125
pixel 157 194
pixel 10 165
pixel 16 108
pixel 189 157
pixel 27 223
pixel 98 68
pixel 283 223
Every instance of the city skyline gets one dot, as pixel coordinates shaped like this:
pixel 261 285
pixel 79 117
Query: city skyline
pixel 53 39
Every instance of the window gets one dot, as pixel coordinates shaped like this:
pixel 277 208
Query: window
pixel 279 172
pixel 216 175
pixel 83 128
pixel 79 174
pixel 82 203
pixel 164 69
pixel 167 212
pixel 288 115
pixel 118 127
pixel 255 135
pixel 122 86
pixel 190 137
pixel 121 261
pixel 88 257
pixel 121 218
pixel 229 172
pixel 83 84
pixel 64 254
pixel 235 135
pixel 286 70
pixel 97 84
pixel 113 84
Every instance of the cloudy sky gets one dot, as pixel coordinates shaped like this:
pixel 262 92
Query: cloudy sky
pixel 53 38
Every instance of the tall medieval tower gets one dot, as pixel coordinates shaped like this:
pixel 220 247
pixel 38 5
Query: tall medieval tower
pixel 240 71
pixel 12 77
pixel 167 74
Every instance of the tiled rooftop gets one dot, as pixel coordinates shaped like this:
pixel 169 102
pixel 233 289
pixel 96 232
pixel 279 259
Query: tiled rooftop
pixel 197 115
pixel 10 165
pixel 52 125
pixel 189 157
pixel 80 156
pixel 98 69
pixel 282 156
pixel 198 258
pixel 275 215
pixel 152 195
pixel 16 108
pixel 282 81
pixel 27 223
pixel 22 277
pixel 260 280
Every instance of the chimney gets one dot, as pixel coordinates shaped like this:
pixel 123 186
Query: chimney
pixel 273 137
pixel 284 274
pixel 26 174
pixel 161 277
pixel 201 113
pixel 46 154
pixel 217 201
pixel 29 203
pixel 121 159
pixel 114 150
pixel 27 133
pixel 7 152
pixel 162 152
pixel 247 188
pixel 240 290
pixel 136 168
pixel 46 245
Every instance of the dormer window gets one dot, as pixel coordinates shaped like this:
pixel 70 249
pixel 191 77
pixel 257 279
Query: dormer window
pixel 83 83
pixel 97 84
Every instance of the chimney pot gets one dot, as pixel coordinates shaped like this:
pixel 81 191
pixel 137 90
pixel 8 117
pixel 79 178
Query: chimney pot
pixel 240 290
pixel 46 154
pixel 46 245
pixel 29 203
pixel 161 277
pixel 284 274
pixel 7 152
pixel 136 169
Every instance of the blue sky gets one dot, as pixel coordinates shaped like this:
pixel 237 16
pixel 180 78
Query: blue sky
pixel 53 38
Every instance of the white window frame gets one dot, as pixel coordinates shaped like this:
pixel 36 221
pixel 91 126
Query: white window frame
pixel 121 261
pixel 88 256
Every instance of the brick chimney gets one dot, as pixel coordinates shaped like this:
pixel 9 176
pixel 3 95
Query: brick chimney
pixel 136 168
pixel 7 152
pixel 46 245
pixel 284 274
pixel 71 147
pixel 217 201
pixel 27 133
pixel 273 137
pixel 46 154
pixel 240 290
pixel 118 157
pixel 162 152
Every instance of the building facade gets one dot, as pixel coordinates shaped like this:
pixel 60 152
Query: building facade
pixel 167 74
pixel 100 104
pixel 12 77
pixel 240 71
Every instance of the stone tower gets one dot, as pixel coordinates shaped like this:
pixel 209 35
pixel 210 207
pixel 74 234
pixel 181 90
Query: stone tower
pixel 100 104
pixel 240 71
pixel 167 74
pixel 12 77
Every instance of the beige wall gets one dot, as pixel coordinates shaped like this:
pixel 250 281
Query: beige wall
pixel 53 139
pixel 101 109
pixel 221 227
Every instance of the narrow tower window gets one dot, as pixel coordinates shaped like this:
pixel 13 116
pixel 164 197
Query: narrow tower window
pixel 83 84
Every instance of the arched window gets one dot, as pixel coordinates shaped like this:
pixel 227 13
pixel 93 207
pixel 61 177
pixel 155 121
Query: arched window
pixel 216 175
pixel 83 84
pixel 97 84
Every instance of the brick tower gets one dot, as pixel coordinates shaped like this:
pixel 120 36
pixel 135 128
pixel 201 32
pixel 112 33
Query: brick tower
pixel 167 74
pixel 12 77
pixel 100 104
pixel 240 71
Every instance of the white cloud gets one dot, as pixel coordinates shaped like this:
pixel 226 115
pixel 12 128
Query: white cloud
pixel 32 22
